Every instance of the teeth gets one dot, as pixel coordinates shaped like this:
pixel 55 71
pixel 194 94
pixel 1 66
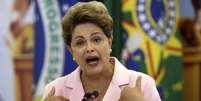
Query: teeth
pixel 92 60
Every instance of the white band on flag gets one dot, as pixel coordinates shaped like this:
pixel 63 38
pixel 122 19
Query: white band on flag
pixel 54 47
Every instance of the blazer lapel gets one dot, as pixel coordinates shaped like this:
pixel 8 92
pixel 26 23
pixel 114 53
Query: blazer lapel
pixel 119 80
pixel 74 83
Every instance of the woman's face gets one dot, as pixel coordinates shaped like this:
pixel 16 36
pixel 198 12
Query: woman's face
pixel 91 48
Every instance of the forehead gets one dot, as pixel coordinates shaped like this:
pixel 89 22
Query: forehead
pixel 86 29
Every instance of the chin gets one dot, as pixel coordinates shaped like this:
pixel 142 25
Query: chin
pixel 95 70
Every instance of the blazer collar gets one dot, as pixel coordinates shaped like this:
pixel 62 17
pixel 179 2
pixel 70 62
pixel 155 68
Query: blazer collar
pixel 73 80
pixel 120 76
pixel 119 79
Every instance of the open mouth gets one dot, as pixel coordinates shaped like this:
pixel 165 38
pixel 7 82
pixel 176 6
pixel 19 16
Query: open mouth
pixel 92 60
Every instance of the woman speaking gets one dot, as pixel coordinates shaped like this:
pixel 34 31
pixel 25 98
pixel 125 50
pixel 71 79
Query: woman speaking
pixel 87 33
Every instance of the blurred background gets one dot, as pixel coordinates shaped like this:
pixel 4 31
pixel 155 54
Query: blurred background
pixel 161 38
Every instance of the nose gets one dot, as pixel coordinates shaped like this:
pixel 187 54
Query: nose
pixel 89 48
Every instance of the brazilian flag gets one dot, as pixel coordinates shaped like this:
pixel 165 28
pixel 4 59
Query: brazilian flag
pixel 152 43
pixel 114 8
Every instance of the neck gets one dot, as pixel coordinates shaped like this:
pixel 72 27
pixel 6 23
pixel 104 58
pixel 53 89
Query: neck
pixel 104 75
pixel 99 81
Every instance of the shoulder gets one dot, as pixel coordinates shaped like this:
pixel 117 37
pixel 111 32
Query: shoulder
pixel 145 77
pixel 148 85
pixel 124 74
pixel 58 83
pixel 64 84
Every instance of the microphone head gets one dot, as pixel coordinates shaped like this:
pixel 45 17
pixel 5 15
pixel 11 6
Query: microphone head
pixel 87 95
pixel 95 93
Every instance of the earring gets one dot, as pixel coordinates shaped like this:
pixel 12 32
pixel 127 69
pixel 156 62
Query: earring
pixel 110 50
pixel 73 59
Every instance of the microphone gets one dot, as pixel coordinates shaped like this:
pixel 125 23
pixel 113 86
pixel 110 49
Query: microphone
pixel 86 96
pixel 94 94
pixel 90 96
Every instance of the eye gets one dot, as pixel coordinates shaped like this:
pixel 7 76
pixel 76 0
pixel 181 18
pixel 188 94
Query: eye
pixel 79 42
pixel 97 39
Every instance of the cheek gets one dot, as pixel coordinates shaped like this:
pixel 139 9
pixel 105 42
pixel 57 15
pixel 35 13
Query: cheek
pixel 105 50
pixel 77 54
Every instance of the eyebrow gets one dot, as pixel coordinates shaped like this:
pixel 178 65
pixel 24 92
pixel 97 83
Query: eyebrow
pixel 95 33
pixel 79 36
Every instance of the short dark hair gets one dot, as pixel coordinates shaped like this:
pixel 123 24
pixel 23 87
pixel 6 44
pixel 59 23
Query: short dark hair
pixel 196 4
pixel 94 12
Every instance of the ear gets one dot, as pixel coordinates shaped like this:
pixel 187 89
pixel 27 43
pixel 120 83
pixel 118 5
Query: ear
pixel 110 41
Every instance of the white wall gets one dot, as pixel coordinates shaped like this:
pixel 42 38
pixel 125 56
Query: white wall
pixel 186 8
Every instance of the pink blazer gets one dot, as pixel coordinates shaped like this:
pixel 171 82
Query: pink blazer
pixel 70 86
